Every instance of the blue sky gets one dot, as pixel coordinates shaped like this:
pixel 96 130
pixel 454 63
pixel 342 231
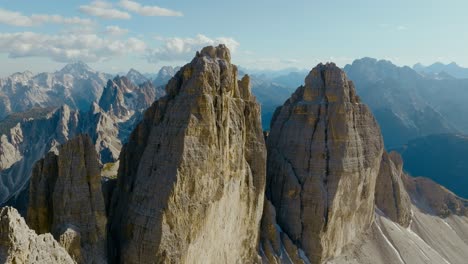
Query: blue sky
pixel 114 36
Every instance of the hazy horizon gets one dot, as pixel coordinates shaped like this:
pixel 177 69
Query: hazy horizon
pixel 114 36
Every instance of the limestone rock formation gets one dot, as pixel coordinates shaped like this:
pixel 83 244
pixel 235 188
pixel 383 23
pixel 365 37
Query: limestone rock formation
pixel 19 244
pixel 191 179
pixel 324 154
pixel 390 193
pixel 66 200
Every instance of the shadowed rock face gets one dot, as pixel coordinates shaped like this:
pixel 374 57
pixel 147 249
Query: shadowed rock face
pixel 324 153
pixel 192 176
pixel 390 194
pixel 19 244
pixel 66 200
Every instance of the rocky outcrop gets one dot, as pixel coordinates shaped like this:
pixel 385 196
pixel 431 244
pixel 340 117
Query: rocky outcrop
pixel 433 198
pixel 19 244
pixel 324 154
pixel 192 176
pixel 66 200
pixel 390 193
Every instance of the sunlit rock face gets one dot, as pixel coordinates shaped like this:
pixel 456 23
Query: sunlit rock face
pixel 191 179
pixel 324 154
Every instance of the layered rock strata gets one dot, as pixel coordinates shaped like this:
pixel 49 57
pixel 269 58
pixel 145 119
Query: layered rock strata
pixel 191 179
pixel 324 154
pixel 66 200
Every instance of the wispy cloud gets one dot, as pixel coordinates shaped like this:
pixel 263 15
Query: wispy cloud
pixel 177 49
pixel 148 10
pixel 393 27
pixel 116 31
pixel 104 10
pixel 67 47
pixel 400 28
pixel 17 19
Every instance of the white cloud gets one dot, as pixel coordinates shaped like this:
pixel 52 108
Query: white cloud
pixel 67 47
pixel 103 9
pixel 148 10
pixel 181 49
pixel 116 31
pixel 17 19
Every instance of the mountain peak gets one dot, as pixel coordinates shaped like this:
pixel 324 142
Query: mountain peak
pixel 218 52
pixel 328 82
pixel 77 67
pixel 136 77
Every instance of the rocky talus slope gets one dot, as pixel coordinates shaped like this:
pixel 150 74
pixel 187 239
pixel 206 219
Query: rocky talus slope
pixel 324 153
pixel 66 200
pixel 19 244
pixel 192 177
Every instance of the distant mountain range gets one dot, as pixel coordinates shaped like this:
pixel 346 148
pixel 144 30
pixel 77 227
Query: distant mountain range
pixel 408 104
pixel 451 69
pixel 76 85
pixel 29 132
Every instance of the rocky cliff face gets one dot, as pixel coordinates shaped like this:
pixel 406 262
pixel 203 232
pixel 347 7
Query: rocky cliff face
pixel 390 194
pixel 191 179
pixel 19 244
pixel 66 200
pixel 324 154
pixel 30 139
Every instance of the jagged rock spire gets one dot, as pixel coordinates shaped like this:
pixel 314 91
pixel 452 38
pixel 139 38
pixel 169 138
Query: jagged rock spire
pixel 191 179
